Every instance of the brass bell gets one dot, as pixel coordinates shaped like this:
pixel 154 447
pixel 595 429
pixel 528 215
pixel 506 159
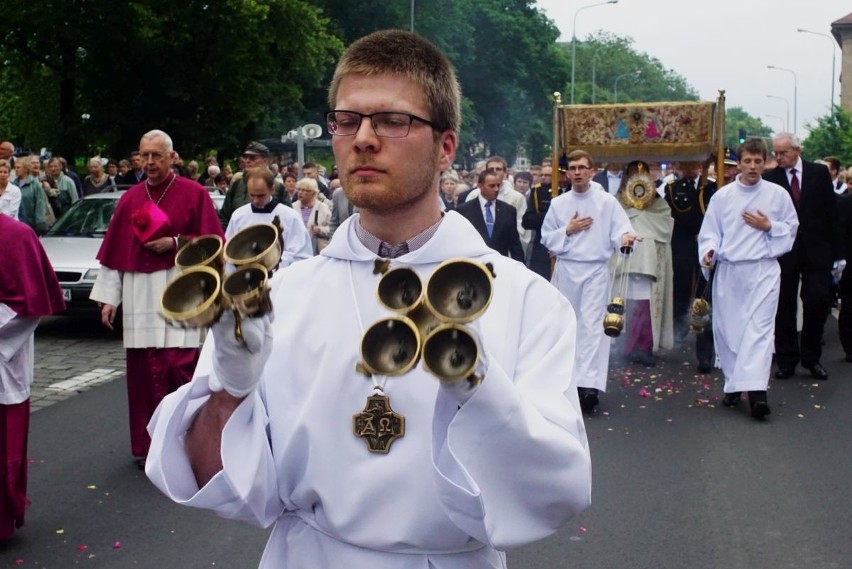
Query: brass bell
pixel 390 347
pixel 255 244
pixel 245 289
pixel 192 299
pixel 459 290
pixel 203 250
pixel 400 289
pixel 450 352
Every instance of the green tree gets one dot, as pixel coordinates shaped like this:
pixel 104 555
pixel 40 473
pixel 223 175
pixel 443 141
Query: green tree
pixel 831 136
pixel 735 119
pixel 209 74
pixel 506 57
pixel 612 58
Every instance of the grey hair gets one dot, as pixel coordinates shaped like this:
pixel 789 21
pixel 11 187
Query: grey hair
pixel 152 134
pixel 794 140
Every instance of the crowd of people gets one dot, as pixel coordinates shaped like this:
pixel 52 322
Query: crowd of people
pixel 633 240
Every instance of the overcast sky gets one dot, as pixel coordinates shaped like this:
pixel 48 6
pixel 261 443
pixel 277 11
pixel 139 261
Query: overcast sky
pixel 727 44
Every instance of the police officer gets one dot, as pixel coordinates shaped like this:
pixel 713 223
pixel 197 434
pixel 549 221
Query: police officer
pixel 688 197
pixel 538 202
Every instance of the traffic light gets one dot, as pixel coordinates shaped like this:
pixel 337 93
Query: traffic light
pixel 742 135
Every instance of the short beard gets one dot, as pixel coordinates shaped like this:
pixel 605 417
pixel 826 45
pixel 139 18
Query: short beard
pixel 396 198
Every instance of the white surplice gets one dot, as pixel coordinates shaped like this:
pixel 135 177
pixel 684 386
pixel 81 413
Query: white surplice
pixel 747 277
pixel 297 240
pixel 16 356
pixel 143 323
pixel 509 466
pixel 581 273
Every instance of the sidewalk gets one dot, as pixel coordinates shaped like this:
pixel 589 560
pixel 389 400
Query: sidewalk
pixel 73 354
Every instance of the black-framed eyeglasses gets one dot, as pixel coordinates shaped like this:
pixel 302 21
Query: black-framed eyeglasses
pixel 386 125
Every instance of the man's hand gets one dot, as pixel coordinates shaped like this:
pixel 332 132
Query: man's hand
pixel 757 220
pixel 707 261
pixel 238 366
pixel 107 315
pixel 628 239
pixel 578 224
pixel 161 245
pixel 316 229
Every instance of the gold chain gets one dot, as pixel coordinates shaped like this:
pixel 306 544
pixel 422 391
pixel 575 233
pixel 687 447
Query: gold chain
pixel 148 190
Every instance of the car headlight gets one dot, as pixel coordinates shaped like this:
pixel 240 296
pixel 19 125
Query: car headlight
pixel 91 274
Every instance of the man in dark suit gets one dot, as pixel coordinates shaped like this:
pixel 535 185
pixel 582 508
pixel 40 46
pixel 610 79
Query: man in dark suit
pixel 610 178
pixel 817 250
pixel 495 220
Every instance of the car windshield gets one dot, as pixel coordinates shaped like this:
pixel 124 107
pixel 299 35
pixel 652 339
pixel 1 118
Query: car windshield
pixel 88 217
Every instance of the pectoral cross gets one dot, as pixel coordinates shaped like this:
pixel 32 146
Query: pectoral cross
pixel 378 424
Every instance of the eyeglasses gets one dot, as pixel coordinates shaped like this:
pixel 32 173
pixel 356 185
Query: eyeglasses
pixel 155 156
pixel 386 125
pixel 577 168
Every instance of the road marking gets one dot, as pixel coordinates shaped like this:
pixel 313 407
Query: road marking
pixel 91 378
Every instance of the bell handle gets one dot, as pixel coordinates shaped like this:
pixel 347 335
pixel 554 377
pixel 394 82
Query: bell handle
pixel 238 329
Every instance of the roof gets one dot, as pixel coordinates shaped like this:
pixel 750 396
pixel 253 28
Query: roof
pixel 844 22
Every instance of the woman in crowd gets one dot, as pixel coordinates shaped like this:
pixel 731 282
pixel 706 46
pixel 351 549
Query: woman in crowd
pixel 315 214
pixel 97 181
pixel 34 207
pixel 10 194
pixel 449 180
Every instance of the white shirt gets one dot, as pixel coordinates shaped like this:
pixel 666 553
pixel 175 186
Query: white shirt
pixel 297 240
pixel 595 244
pixel 10 201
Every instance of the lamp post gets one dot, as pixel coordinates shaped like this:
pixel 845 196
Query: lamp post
pixel 594 64
pixel 795 94
pixel 831 39
pixel 412 16
pixel 574 40
pixel 615 85
pixel 781 120
pixel 786 102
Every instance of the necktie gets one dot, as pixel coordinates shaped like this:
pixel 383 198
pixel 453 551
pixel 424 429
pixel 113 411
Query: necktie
pixel 795 190
pixel 489 219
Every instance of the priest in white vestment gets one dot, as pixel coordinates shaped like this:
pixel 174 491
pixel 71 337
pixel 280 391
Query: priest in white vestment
pixel 747 226
pixel 267 431
pixel 262 208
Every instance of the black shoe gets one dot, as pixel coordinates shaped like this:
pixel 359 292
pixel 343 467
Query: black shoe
pixel 140 463
pixel 759 406
pixel 817 371
pixel 785 372
pixel 704 367
pixel 849 357
pixel 588 398
pixel 731 399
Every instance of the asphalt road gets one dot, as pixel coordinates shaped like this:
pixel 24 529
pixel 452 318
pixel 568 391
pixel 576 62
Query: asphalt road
pixel 679 480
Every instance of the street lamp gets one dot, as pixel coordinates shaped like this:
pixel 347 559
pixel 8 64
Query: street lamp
pixel 786 102
pixel 795 94
pixel 412 16
pixel 615 86
pixel 781 120
pixel 594 65
pixel 574 40
pixel 831 39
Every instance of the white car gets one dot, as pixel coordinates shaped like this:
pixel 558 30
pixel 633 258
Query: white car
pixel 72 245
